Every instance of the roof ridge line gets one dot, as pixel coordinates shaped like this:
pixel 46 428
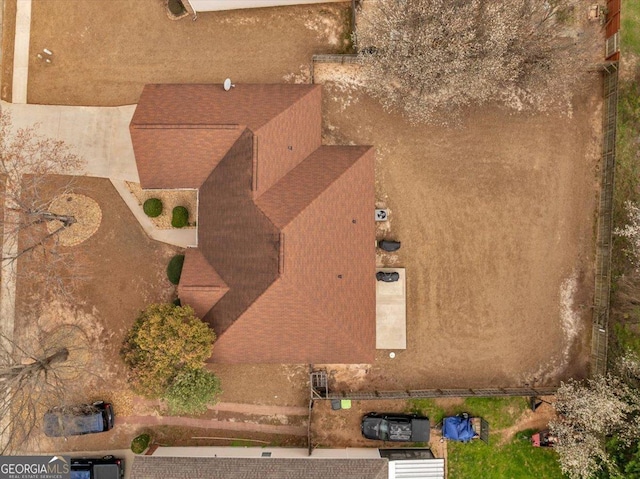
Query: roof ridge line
pixel 200 287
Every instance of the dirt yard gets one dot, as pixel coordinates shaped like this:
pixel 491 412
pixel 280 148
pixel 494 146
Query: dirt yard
pixel 496 220
pixel 105 52
pixel 120 270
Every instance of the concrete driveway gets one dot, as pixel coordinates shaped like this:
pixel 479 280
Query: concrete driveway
pixel 98 134
pixel 391 311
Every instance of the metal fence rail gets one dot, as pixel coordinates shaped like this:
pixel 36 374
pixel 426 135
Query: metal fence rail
pixel 335 58
pixel 440 393
pixel 600 332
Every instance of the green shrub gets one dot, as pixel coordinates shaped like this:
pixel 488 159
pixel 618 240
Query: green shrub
pixel 140 443
pixel 180 217
pixel 192 390
pixel 152 207
pixel 174 269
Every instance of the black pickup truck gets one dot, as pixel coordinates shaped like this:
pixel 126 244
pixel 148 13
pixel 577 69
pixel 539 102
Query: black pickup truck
pixel 107 467
pixel 396 427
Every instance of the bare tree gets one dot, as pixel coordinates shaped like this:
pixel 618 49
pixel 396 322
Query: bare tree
pixel 36 373
pixel 28 161
pixel 39 360
pixel 590 413
pixel 433 57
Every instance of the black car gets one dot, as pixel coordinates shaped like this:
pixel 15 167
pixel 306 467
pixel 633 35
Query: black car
pixel 396 427
pixel 388 277
pixel 78 419
pixel 388 245
pixel 107 467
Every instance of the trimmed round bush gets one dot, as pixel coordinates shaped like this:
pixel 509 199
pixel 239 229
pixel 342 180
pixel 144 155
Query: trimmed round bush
pixel 152 207
pixel 179 217
pixel 140 443
pixel 174 269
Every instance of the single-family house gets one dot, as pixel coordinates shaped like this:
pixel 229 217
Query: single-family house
pixel 284 265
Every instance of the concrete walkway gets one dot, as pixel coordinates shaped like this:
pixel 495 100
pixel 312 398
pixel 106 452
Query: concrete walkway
pixel 183 237
pixel 245 408
pixel 21 52
pixel 263 410
pixel 101 136
pixel 213 424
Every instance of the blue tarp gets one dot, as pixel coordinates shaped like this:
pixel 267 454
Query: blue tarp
pixel 457 428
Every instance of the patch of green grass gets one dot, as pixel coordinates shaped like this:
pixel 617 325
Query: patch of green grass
pixel 241 443
pixel 627 337
pixel 498 412
pixel 346 40
pixel 627 148
pixel 426 407
pixel 627 175
pixel 629 26
pixel 515 460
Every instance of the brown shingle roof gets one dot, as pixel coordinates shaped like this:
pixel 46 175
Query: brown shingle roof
pixel 250 105
pixel 287 230
pixel 237 239
pixel 286 199
pixel 311 314
pixel 200 285
pixel 287 139
pixel 161 467
pixel 180 132
pixel 174 157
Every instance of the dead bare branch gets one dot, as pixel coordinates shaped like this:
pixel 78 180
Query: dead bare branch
pixel 431 58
